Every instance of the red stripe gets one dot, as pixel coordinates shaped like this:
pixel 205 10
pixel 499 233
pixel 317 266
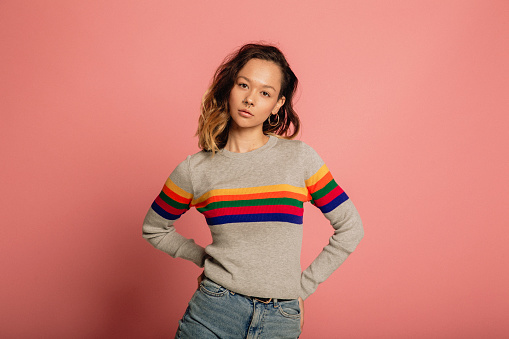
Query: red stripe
pixel 321 183
pixel 168 208
pixel 329 197
pixel 254 210
pixel 175 196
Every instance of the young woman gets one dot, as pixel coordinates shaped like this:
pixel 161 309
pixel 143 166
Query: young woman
pixel 250 181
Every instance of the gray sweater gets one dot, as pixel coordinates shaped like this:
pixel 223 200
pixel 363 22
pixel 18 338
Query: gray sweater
pixel 253 204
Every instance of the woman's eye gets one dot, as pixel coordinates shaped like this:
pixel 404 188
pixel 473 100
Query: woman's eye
pixel 266 94
pixel 243 85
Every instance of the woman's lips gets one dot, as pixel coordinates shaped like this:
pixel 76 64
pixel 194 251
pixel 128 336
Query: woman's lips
pixel 245 114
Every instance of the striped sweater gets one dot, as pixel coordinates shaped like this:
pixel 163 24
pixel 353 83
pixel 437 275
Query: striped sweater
pixel 253 204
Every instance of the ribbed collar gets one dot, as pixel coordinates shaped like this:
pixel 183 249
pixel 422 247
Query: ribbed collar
pixel 247 155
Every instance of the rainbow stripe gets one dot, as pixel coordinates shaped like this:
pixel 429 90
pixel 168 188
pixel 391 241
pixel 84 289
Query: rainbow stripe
pixel 172 202
pixel 282 203
pixel 253 204
pixel 326 193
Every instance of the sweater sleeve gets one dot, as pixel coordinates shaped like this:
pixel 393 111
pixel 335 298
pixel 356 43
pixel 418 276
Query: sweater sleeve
pixel 173 201
pixel 336 206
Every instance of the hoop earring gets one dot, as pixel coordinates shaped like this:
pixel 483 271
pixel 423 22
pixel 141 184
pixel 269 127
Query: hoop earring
pixel 277 122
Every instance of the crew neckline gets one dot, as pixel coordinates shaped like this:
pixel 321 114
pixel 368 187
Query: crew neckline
pixel 269 144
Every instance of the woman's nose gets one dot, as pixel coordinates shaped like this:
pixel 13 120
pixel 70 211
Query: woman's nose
pixel 248 101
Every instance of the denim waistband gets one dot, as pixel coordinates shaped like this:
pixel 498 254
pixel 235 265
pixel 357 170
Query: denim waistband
pixel 259 299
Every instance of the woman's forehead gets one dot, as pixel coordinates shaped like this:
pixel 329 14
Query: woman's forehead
pixel 263 72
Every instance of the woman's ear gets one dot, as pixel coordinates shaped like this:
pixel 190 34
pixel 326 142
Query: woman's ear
pixel 279 104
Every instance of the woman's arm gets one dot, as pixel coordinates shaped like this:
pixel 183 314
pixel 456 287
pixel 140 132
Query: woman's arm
pixel 337 207
pixel 173 201
pixel 162 235
pixel 348 232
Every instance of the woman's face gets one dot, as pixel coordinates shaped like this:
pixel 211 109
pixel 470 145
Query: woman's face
pixel 254 95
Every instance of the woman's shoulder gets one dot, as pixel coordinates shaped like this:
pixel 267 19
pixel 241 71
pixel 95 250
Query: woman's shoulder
pixel 300 156
pixel 297 146
pixel 200 157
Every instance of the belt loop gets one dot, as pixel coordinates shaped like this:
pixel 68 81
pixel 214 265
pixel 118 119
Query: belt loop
pixel 275 302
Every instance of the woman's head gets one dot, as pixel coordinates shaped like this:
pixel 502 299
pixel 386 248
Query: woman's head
pixel 215 118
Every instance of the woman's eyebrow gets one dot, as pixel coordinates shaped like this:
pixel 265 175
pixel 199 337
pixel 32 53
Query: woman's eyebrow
pixel 249 80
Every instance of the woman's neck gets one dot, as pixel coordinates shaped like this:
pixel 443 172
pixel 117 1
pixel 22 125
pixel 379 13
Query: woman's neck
pixel 245 141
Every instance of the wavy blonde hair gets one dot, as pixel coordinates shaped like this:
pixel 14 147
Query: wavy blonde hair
pixel 214 121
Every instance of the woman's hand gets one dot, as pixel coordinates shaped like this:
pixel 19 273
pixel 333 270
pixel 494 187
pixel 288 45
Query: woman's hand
pixel 200 278
pixel 301 305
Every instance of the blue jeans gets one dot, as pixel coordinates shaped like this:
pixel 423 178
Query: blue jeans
pixel 215 312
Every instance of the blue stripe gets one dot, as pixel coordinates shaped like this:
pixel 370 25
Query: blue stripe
pixel 166 215
pixel 259 217
pixel 334 203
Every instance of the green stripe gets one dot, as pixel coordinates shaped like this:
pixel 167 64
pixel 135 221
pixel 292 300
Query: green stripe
pixel 324 190
pixel 252 202
pixel 173 203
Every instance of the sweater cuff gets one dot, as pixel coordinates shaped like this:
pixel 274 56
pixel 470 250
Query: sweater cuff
pixel 307 285
pixel 194 253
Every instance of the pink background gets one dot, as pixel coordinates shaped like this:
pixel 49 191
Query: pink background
pixel 406 101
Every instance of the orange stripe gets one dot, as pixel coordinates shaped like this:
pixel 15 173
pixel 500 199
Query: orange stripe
pixel 175 196
pixel 280 194
pixel 317 176
pixel 172 186
pixel 249 190
pixel 321 183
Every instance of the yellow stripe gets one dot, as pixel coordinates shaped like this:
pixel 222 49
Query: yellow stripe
pixel 250 190
pixel 172 186
pixel 317 176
